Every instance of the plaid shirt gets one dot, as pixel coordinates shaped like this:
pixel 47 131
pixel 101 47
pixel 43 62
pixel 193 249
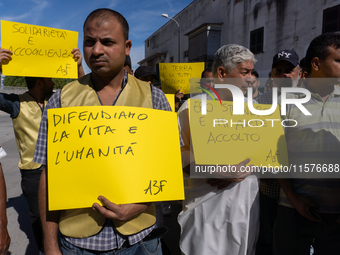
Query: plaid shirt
pixel 107 238
pixel 268 187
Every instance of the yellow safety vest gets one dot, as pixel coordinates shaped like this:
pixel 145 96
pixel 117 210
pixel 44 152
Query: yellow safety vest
pixel 26 128
pixel 80 223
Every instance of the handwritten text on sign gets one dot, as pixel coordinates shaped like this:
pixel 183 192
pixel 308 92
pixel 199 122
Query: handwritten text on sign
pixel 39 51
pixel 176 76
pixel 219 137
pixel 126 154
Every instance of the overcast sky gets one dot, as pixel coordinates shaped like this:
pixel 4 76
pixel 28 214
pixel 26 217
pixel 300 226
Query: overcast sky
pixel 144 17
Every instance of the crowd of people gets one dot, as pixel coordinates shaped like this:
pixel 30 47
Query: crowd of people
pixel 238 215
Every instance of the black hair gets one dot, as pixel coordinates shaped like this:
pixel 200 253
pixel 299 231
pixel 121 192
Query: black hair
pixel 104 13
pixel 255 73
pixel 31 81
pixel 206 70
pixel 319 47
pixel 303 64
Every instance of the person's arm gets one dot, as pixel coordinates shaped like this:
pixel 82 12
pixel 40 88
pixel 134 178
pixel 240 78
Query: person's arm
pixel 178 99
pixel 49 219
pixel 10 104
pixel 301 203
pixel 119 212
pixel 78 57
pixel 5 239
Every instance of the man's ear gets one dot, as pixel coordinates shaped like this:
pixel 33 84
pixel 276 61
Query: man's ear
pixel 221 73
pixel 315 64
pixel 40 83
pixel 128 45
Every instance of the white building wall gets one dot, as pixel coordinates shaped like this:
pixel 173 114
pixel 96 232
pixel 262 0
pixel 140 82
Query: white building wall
pixel 288 24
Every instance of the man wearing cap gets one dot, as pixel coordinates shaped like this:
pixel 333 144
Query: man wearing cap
pixel 285 71
pixel 285 65
pixel 145 73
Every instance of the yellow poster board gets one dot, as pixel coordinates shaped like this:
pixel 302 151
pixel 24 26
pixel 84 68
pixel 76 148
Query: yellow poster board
pixel 176 76
pixel 127 154
pixel 219 137
pixel 171 100
pixel 39 51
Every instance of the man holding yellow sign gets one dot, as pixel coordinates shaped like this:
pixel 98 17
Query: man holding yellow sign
pixel 214 209
pixel 111 227
pixel 39 51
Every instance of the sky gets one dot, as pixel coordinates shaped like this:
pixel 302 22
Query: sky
pixel 144 17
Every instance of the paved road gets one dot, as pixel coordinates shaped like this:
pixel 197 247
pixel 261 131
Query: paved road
pixel 17 208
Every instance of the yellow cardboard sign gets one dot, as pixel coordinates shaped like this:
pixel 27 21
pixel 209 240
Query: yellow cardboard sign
pixel 219 137
pixel 176 76
pixel 127 154
pixel 171 100
pixel 39 51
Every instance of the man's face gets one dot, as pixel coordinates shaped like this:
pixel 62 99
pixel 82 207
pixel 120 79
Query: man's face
pixel 243 73
pixel 285 69
pixel 48 86
pixel 330 67
pixel 208 78
pixel 105 47
pixel 207 75
pixel 254 83
pixel 150 79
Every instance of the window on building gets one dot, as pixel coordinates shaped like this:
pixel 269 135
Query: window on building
pixel 171 59
pixel 186 54
pixel 331 19
pixel 147 43
pixel 204 41
pixel 256 40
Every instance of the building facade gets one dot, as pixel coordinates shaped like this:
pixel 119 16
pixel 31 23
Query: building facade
pixel 263 26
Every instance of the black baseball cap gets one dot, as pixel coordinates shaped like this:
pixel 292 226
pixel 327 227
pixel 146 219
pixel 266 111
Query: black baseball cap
pixel 286 55
pixel 143 71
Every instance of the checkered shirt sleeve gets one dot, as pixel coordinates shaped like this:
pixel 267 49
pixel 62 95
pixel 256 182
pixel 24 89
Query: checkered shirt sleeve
pixel 40 154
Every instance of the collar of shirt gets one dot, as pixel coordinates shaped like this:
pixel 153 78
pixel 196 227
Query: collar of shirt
pixel 336 91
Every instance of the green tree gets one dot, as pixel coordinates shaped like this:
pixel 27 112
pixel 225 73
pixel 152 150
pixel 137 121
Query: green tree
pixel 14 81
pixel 59 83
pixel 19 81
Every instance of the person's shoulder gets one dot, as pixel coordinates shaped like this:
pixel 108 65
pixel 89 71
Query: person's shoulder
pixel 131 78
pixel 265 98
pixel 85 80
pixel 157 91
pixel 337 89
pixel 54 101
